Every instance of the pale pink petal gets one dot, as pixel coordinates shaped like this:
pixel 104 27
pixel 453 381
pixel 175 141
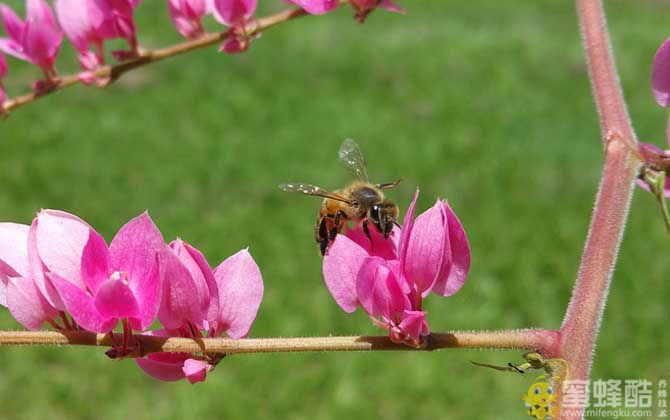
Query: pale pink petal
pixel 74 19
pixel 406 231
pixel 340 270
pixel 37 270
pixel 164 366
pixel 12 23
pixel 13 48
pixel 212 309
pixel 453 278
pixel 94 262
pixel 203 279
pixel 147 291
pixel 82 307
pixel 240 285
pixel 61 238
pixel 196 370
pixel 26 304
pixel 114 299
pixel 392 7
pixel 180 302
pixel 425 251
pixel 414 325
pixel 379 247
pixel 660 74
pixel 378 289
pixel 233 12
pixel 14 249
pixel 134 248
pixel 317 7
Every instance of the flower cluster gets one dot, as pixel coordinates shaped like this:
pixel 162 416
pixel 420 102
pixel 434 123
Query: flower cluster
pixel 390 278
pixel 59 270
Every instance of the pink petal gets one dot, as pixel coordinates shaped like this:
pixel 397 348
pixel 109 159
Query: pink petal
pixel 164 366
pixel 134 248
pixel 660 74
pixel 378 289
pixel 391 7
pixel 37 270
pixel 3 68
pixel 13 48
pixel 14 249
pixel 12 23
pixel 196 370
pixel 406 231
pixel 74 19
pixel 317 7
pixel 41 37
pixel 380 247
pixel 147 291
pixel 61 238
pixel 212 309
pixel 452 278
pixel 94 262
pixel 180 302
pixel 114 299
pixel 233 12
pixel 82 307
pixel 340 269
pixel 26 304
pixel 425 251
pixel 414 325
pixel 240 285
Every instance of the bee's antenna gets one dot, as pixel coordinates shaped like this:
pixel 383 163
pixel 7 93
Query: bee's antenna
pixel 395 222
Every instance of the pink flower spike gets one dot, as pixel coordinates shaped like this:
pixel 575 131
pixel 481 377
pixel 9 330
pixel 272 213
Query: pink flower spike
pixel 233 12
pixel 340 270
pixel 660 74
pixel 196 370
pixel 186 16
pixel 240 286
pixel 316 7
pixel 36 40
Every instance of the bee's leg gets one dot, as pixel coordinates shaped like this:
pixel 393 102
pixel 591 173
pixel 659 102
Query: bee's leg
pixel 336 226
pixel 321 233
pixel 366 230
pixel 389 185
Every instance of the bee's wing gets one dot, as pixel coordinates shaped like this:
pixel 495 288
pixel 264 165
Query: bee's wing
pixel 310 189
pixel 352 157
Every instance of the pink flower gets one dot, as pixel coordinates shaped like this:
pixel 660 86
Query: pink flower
pixel 186 16
pixel 17 290
pixel 3 73
pixel 316 7
pixel 660 74
pixel 365 7
pixel 36 40
pixel 233 303
pixel 390 278
pixel 122 282
pixel 236 14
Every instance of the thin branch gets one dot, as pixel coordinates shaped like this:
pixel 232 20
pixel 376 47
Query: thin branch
pixel 583 317
pixel 113 72
pixel 540 340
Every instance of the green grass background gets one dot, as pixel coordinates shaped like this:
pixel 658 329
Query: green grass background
pixel 485 103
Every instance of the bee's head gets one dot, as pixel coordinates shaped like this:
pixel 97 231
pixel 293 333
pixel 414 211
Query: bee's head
pixel 383 216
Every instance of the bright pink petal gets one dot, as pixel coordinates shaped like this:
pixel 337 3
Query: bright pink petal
pixel 452 278
pixel 233 12
pixel 660 74
pixel 94 262
pixel 61 238
pixel 425 251
pixel 196 370
pixel 74 19
pixel 41 37
pixel 379 247
pixel 135 247
pixel 164 366
pixel 240 287
pixel 13 48
pixel 212 309
pixel 147 291
pixel 340 270
pixel 317 7
pixel 26 304
pixel 3 68
pixel 378 289
pixel 82 307
pixel 12 23
pixel 391 7
pixel 114 299
pixel 406 231
pixel 414 325
pixel 180 302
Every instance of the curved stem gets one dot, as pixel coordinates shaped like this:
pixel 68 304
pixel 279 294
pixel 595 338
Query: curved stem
pixel 113 72
pixel 544 341
pixel 582 320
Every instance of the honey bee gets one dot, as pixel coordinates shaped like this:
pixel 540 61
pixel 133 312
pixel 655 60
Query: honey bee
pixel 361 201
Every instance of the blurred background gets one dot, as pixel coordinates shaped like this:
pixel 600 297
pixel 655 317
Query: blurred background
pixel 484 103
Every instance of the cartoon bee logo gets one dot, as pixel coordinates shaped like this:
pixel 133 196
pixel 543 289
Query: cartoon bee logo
pixel 541 398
